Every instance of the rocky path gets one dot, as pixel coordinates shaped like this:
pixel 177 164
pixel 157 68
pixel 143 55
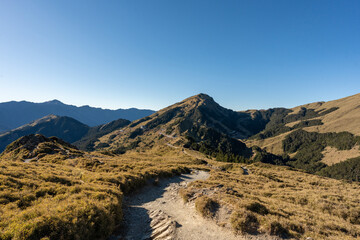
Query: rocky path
pixel 158 212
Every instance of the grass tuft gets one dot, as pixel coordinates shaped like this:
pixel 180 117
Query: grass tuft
pixel 206 206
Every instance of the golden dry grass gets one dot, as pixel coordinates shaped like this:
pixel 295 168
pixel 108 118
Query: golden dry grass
pixel 272 145
pixel 83 196
pixel 346 118
pixel 285 202
pixel 77 198
pixel 333 155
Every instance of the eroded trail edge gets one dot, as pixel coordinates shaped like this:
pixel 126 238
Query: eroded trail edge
pixel 158 212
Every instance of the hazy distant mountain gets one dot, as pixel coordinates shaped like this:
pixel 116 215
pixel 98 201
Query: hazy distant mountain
pixel 15 114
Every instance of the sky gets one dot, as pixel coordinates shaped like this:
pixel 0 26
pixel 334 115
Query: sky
pixel 151 54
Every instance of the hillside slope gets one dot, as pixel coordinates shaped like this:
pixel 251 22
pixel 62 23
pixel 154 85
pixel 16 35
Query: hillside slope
pixel 322 117
pixel 345 118
pixel 321 137
pixel 15 114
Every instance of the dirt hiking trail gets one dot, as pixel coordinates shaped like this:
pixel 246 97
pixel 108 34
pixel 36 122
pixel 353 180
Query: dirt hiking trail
pixel 158 212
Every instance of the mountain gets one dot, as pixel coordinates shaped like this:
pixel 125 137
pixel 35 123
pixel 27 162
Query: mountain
pixel 319 138
pixel 66 128
pixel 35 147
pixel 336 116
pixel 198 123
pixel 78 195
pixel 15 114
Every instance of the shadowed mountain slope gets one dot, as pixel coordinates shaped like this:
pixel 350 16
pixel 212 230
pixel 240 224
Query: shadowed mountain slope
pixel 66 128
pixel 86 143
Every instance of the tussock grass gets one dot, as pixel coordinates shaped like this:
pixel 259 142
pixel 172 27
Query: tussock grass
pixel 75 198
pixel 244 222
pixel 285 202
pixel 205 206
pixel 185 194
pixel 81 197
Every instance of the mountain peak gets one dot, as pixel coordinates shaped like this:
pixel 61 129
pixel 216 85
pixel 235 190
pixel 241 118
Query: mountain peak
pixel 199 99
pixel 55 101
pixel 202 96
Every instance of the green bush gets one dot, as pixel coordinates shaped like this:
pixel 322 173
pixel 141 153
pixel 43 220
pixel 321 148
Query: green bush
pixel 309 146
pixel 349 170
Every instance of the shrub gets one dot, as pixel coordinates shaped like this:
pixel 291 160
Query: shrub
pixel 355 216
pixel 102 145
pixel 278 230
pixel 349 170
pixel 257 208
pixel 244 222
pixel 206 206
pixel 185 194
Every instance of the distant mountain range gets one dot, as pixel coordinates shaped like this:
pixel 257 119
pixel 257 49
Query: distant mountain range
pixel 15 114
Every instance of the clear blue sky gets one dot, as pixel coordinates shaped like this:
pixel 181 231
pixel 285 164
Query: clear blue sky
pixel 150 54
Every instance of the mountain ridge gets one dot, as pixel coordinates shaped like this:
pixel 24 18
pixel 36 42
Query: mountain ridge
pixel 17 113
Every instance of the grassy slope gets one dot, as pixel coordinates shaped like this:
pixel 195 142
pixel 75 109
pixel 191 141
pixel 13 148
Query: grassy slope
pixel 283 202
pixel 75 198
pixel 345 118
pixel 80 198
